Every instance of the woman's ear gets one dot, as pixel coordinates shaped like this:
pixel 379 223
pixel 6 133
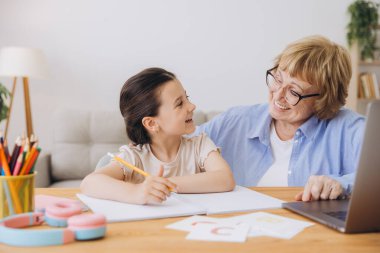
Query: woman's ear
pixel 150 124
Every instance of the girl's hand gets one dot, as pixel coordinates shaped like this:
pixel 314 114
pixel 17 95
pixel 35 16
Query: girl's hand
pixel 154 189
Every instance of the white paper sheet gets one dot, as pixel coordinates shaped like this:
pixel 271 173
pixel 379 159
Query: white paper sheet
pixel 240 200
pixel 270 224
pixel 259 224
pixel 188 224
pixel 219 232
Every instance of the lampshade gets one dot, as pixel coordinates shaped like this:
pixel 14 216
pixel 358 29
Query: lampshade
pixel 22 62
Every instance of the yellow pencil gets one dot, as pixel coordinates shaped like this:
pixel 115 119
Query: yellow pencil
pixel 7 172
pixel 140 171
pixel 132 167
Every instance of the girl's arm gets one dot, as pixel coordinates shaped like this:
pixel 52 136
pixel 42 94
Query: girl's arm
pixel 217 177
pixel 108 183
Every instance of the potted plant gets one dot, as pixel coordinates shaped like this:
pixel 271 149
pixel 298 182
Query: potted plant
pixel 4 94
pixel 362 27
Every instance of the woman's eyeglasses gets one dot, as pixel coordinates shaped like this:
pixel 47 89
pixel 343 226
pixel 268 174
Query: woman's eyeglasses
pixel 291 96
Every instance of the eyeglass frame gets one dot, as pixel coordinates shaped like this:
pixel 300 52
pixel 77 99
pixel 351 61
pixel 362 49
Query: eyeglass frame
pixel 300 97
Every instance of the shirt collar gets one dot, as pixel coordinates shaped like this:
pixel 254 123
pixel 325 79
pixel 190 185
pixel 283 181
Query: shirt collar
pixel 262 129
pixel 309 128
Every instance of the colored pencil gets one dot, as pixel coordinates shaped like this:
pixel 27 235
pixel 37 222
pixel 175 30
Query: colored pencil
pixel 4 163
pixel 15 153
pixel 35 160
pixel 132 167
pixel 32 160
pixel 128 165
pixel 28 158
pixel 16 170
pixel 9 199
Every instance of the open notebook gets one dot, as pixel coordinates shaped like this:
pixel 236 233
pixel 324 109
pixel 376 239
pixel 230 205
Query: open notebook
pixel 239 200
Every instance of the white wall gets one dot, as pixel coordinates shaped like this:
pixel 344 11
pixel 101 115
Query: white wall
pixel 219 49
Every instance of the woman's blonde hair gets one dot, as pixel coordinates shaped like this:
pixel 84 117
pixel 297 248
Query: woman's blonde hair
pixel 320 62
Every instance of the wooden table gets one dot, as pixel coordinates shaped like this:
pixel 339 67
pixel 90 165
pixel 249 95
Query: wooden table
pixel 152 236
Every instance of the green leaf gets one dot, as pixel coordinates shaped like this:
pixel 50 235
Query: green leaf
pixel 4 95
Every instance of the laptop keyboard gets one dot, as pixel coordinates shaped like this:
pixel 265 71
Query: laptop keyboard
pixel 341 215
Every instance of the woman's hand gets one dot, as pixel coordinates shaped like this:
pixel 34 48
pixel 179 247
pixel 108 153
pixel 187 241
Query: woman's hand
pixel 320 187
pixel 154 189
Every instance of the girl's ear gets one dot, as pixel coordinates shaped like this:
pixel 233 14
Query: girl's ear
pixel 150 124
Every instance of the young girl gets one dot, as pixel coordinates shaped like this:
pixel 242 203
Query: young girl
pixel 157 113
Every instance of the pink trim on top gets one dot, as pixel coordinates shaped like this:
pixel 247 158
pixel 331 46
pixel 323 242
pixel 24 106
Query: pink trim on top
pixel 23 220
pixel 43 201
pixel 87 220
pixel 63 210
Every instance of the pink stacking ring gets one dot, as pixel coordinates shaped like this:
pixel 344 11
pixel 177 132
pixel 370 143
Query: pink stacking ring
pixel 58 213
pixel 87 220
pixel 87 226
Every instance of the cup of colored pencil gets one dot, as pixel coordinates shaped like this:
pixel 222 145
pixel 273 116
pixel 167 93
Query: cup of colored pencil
pixel 17 175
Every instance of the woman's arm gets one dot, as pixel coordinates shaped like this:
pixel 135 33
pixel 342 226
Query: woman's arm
pixel 108 183
pixel 216 178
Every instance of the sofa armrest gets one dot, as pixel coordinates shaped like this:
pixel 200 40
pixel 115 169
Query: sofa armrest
pixel 43 168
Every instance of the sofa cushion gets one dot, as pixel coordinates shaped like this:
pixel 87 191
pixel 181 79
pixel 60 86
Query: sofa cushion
pixel 66 184
pixel 81 138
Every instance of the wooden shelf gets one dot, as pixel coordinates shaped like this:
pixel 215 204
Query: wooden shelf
pixel 366 100
pixel 362 104
pixel 372 63
pixel 358 66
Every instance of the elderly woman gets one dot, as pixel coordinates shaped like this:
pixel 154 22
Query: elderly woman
pixel 303 136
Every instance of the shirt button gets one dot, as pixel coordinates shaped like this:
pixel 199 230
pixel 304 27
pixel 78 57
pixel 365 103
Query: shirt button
pixel 296 141
pixel 298 133
pixel 289 172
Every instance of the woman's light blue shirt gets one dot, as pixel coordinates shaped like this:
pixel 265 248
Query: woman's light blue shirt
pixel 320 147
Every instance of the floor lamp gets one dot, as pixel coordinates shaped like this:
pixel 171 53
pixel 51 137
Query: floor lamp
pixel 24 63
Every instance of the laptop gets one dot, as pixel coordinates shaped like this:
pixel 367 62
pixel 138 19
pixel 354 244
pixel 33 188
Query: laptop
pixel 360 213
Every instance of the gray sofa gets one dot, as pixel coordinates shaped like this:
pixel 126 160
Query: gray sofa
pixel 80 140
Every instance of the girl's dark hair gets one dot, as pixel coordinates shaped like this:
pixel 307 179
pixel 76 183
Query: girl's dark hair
pixel 139 99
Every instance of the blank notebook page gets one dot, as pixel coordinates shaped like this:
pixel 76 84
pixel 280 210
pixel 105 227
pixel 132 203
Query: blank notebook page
pixel 239 200
pixel 118 211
